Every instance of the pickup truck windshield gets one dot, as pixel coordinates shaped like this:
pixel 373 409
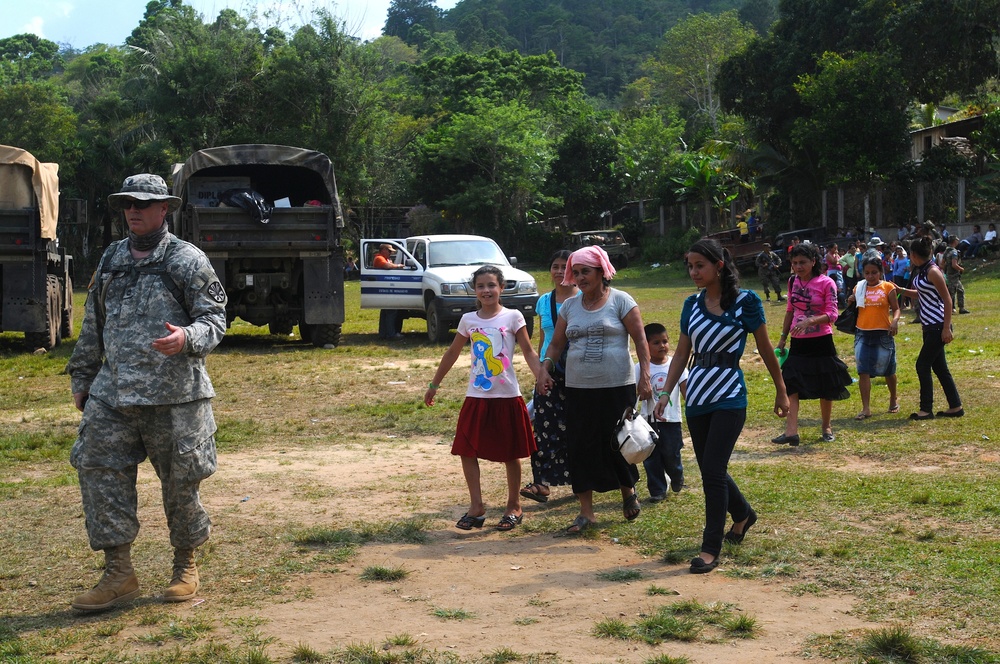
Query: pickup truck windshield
pixel 467 252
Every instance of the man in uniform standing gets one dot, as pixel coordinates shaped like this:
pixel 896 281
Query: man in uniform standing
pixel 767 263
pixel 155 309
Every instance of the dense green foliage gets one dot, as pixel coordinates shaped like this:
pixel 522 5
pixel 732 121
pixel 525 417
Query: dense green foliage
pixel 499 113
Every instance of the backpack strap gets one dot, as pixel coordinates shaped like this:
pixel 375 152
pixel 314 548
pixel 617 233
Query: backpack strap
pixel 104 280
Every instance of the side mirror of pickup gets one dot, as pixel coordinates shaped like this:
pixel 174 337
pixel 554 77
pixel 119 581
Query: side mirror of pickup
pixel 513 261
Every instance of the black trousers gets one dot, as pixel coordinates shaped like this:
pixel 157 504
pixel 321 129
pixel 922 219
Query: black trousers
pixel 931 358
pixel 713 437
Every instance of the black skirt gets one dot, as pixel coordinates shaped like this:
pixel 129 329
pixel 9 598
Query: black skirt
pixel 813 370
pixel 594 465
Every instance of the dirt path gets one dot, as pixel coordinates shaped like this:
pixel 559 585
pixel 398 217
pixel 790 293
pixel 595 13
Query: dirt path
pixel 533 593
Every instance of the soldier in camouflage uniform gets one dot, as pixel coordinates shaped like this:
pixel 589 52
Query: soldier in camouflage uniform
pixel 155 309
pixel 767 263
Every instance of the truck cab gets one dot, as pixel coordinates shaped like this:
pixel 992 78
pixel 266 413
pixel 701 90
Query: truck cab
pixel 435 282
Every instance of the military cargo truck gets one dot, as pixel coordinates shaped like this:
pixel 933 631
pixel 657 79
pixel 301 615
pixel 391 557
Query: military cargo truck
pixel 281 267
pixel 35 273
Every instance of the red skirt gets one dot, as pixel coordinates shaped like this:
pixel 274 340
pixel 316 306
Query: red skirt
pixel 494 429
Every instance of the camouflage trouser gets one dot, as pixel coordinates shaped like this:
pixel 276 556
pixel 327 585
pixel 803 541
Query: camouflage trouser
pixel 180 443
pixel 957 292
pixel 769 280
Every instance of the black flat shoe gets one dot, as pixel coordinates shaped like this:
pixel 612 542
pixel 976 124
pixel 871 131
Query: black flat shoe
pixel 918 416
pixel 958 413
pixel 737 538
pixel 699 566
pixel 792 440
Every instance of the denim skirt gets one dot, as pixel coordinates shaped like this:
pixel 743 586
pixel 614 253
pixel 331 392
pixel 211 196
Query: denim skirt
pixel 875 352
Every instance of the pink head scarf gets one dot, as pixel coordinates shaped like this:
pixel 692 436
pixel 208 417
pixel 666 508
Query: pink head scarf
pixel 591 256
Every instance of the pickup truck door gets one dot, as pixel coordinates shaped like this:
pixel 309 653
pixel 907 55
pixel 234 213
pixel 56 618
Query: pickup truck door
pixel 390 289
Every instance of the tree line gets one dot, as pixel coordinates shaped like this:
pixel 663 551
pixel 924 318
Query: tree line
pixel 500 113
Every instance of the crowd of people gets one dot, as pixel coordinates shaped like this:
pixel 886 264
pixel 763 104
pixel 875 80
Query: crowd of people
pixel 140 380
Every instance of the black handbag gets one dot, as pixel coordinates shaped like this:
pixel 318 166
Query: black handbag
pixel 847 321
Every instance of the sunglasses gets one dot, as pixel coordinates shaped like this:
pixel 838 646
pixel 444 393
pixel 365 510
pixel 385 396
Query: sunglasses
pixel 138 205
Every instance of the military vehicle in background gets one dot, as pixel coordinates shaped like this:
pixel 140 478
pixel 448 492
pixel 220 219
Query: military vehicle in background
pixel 35 273
pixel 268 217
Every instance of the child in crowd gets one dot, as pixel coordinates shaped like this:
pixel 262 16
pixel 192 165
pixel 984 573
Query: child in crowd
pixel 493 423
pixel 665 462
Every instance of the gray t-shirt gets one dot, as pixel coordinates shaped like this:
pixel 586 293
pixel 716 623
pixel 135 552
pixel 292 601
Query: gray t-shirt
pixel 598 342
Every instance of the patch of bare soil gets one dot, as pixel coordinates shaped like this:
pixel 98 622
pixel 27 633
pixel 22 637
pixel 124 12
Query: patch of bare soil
pixel 532 592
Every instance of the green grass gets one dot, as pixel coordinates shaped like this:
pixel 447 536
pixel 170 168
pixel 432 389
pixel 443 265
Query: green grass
pixel 452 614
pixel 380 573
pixel 683 621
pixel 620 575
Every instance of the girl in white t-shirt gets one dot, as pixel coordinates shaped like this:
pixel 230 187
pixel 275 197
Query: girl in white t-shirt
pixel 493 423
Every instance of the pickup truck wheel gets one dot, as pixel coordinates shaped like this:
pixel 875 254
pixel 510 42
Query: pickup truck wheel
pixel 622 262
pixel 437 328
pixel 66 326
pixel 325 335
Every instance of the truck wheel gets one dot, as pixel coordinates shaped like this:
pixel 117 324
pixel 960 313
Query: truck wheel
pixel 437 328
pixel 306 332
pixel 622 262
pixel 49 338
pixel 325 335
pixel 66 327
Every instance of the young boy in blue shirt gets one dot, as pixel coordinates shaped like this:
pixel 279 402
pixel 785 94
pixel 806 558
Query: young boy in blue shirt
pixel 664 464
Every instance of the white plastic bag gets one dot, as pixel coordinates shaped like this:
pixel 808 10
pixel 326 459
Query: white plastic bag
pixel 634 437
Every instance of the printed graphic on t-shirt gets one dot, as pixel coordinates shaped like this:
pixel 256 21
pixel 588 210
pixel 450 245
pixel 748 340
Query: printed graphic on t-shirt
pixel 488 359
pixel 659 381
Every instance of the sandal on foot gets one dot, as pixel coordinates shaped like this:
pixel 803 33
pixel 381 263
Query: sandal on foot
pixel 469 522
pixel 699 566
pixel 863 416
pixel 533 491
pixel 509 521
pixel 894 409
pixel 631 508
pixel 580 525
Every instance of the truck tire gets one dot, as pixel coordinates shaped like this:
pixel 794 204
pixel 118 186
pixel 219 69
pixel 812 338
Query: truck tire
pixel 325 335
pixel 66 320
pixel 306 332
pixel 437 328
pixel 48 338
pixel 622 262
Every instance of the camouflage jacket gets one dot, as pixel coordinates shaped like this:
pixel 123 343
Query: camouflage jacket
pixel 128 303
pixel 767 261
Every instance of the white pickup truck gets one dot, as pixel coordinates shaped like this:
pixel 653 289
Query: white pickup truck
pixel 435 282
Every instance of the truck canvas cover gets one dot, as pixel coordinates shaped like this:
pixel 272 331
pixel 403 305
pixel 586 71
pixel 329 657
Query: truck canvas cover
pixel 19 170
pixel 233 160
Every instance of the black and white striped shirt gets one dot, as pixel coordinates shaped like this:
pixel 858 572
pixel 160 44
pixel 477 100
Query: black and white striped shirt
pixel 931 304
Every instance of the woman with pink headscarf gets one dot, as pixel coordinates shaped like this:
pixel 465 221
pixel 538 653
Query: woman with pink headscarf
pixel 600 380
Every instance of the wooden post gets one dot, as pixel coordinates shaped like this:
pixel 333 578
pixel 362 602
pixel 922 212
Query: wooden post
pixel 663 228
pixel 961 200
pixel 840 207
pixel 920 202
pixel 823 203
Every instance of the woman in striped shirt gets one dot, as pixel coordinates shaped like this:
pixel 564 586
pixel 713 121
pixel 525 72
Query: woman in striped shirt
pixel 931 293
pixel 714 325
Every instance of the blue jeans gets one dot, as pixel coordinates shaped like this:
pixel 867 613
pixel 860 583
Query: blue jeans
pixel 664 464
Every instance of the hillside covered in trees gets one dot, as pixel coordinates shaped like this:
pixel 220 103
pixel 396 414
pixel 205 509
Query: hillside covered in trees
pixel 499 113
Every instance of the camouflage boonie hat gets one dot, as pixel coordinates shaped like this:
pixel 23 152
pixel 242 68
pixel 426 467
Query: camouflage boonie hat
pixel 144 187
